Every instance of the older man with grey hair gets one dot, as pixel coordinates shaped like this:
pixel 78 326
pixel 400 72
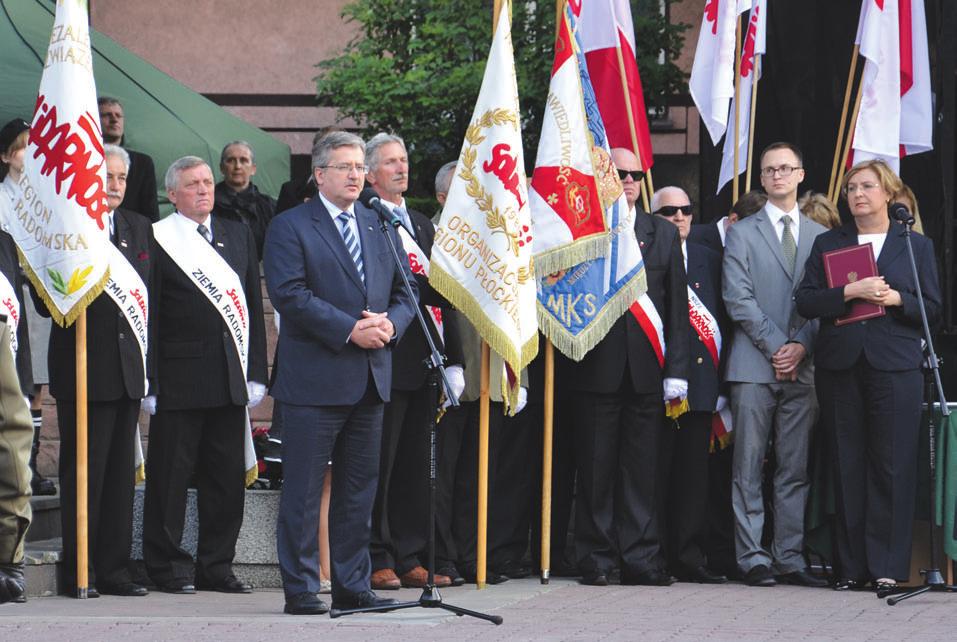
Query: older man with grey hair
pixel 400 525
pixel 237 197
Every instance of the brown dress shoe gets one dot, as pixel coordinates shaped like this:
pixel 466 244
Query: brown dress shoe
pixel 385 579
pixel 419 577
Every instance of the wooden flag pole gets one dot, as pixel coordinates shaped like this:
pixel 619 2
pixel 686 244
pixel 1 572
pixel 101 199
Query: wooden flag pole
pixel 481 540
pixel 549 415
pixel 833 185
pixel 842 166
pixel 754 109
pixel 737 108
pixel 82 509
pixel 646 192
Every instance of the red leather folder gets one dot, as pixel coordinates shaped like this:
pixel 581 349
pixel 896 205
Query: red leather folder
pixel 847 265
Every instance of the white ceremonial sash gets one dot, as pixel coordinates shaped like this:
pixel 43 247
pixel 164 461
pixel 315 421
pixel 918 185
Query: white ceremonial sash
pixel 705 325
pixel 419 264
pixel 129 293
pixel 10 306
pixel 220 284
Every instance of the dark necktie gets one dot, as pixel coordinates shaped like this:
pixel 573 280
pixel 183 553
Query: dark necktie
pixel 205 233
pixel 352 243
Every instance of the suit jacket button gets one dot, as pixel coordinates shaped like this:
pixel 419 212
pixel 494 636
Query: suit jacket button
pixel 699 338
pixel 700 360
pixel 122 335
pixel 225 334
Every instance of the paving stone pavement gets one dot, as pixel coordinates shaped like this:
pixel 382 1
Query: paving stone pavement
pixel 562 610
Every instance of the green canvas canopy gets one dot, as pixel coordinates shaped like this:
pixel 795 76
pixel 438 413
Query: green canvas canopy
pixel 165 119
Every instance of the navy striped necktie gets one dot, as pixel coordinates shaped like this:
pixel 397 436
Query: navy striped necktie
pixel 352 243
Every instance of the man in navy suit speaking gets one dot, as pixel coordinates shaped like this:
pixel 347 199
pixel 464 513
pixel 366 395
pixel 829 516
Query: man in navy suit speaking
pixel 332 278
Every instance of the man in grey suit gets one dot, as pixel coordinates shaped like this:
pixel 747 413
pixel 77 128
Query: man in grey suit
pixel 770 372
pixel 331 275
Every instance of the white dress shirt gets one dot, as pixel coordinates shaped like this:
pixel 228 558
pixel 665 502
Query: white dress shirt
pixel 776 214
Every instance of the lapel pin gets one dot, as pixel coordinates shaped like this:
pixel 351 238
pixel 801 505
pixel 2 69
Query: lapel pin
pixel 697 285
pixel 641 244
pixel 369 228
pixel 218 244
pixel 122 243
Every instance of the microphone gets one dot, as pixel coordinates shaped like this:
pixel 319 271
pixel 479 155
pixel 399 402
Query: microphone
pixel 899 212
pixel 370 199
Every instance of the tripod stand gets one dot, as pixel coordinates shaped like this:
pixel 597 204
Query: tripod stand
pixel 430 598
pixel 933 579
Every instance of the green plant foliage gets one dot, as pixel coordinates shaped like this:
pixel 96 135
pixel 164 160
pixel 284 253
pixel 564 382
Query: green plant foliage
pixel 415 68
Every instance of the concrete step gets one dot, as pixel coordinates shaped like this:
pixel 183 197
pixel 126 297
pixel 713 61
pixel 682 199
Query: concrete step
pixel 46 518
pixel 42 561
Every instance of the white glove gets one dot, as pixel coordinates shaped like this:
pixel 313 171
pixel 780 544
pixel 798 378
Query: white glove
pixel 255 391
pixel 27 399
pixel 149 404
pixel 722 403
pixel 522 400
pixel 675 388
pixel 456 377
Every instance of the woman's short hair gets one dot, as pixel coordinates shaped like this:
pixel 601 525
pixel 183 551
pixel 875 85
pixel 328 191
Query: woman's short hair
pixel 820 209
pixel 890 181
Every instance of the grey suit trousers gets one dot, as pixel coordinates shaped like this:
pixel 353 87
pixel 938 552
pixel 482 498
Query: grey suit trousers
pixel 782 414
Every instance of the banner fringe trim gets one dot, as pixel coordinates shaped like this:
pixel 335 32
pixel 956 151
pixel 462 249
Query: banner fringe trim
pixel 62 320
pixel 572 254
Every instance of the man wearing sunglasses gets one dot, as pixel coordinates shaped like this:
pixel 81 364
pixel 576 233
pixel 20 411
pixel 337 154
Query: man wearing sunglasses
pixel 683 480
pixel 770 372
pixel 618 391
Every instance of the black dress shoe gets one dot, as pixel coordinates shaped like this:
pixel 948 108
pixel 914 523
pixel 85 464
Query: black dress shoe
pixel 759 575
pixel 124 589
pixel 177 587
pixel 91 593
pixel 513 570
pixel 653 577
pixel 364 600
pixel 452 573
pixel 491 577
pixel 802 578
pixel 594 579
pixel 305 604
pixel 229 584
pixel 701 575
pixel 12 583
pixel 849 585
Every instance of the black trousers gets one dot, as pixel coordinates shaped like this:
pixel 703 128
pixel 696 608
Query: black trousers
pixel 872 418
pixel 510 485
pixel 720 541
pixel 617 440
pixel 449 439
pixel 111 429
pixel 207 443
pixel 401 509
pixel 683 485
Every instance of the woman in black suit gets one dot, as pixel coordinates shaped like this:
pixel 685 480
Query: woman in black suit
pixel 869 382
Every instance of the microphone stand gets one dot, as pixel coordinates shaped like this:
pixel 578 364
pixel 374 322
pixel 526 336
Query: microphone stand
pixel 430 598
pixel 933 579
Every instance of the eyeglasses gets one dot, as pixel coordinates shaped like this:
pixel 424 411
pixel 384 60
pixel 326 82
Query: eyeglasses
pixel 346 168
pixel 636 175
pixel 670 210
pixel 860 187
pixel 784 171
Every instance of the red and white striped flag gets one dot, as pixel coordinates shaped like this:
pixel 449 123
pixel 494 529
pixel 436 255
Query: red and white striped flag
pixel 712 73
pixel 607 35
pixel 755 44
pixel 895 117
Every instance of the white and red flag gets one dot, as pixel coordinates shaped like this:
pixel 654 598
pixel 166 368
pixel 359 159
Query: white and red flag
pixel 58 214
pixel 895 117
pixel 712 73
pixel 755 44
pixel 607 35
pixel 482 256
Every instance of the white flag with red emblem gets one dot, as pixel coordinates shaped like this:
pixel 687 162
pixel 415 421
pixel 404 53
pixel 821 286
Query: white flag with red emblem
pixel 58 213
pixel 712 73
pixel 482 256
pixel 755 44
pixel 895 117
pixel 607 35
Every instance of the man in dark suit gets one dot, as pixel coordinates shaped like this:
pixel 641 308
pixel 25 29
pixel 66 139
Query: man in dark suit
pixel 400 515
pixel 141 179
pixel 332 277
pixel 712 235
pixel 116 386
pixel 684 453
pixel 201 388
pixel 620 388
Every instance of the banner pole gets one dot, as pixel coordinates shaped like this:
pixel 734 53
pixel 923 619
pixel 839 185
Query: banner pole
pixel 547 437
pixel 481 539
pixel 646 192
pixel 737 108
pixel 82 514
pixel 832 185
pixel 842 166
pixel 754 109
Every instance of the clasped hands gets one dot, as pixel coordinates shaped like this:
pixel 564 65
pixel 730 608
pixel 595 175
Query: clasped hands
pixel 372 331
pixel 786 361
pixel 873 289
